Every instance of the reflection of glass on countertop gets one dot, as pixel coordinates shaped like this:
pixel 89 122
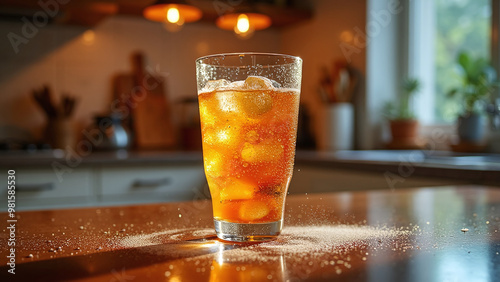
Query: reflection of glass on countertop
pixel 227 267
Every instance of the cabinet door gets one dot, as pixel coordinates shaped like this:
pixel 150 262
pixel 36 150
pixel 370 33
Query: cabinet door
pixel 140 184
pixel 42 189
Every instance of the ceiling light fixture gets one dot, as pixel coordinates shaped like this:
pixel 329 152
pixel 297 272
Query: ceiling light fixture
pixel 173 14
pixel 244 22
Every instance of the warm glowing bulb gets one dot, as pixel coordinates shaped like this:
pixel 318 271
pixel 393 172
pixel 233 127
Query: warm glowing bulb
pixel 243 25
pixel 173 15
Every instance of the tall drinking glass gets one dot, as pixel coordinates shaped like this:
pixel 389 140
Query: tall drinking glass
pixel 249 105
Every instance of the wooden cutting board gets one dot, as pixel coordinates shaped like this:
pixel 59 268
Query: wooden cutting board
pixel 143 96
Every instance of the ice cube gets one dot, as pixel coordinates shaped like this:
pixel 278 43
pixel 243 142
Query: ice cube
pixel 206 117
pixel 209 136
pixel 227 102
pixel 213 85
pixel 235 85
pixel 253 210
pixel 213 163
pixel 276 84
pixel 255 104
pixel 229 136
pixel 258 82
pixel 262 152
pixel 237 190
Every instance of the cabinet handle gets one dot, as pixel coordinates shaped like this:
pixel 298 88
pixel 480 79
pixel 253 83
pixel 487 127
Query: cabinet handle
pixel 150 183
pixel 35 187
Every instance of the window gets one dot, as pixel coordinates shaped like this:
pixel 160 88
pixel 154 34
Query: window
pixel 439 30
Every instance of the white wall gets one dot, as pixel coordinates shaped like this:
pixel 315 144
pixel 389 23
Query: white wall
pixel 61 57
pixel 319 43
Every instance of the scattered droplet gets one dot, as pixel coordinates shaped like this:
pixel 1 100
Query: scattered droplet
pixel 167 273
pixel 31 255
pixel 81 227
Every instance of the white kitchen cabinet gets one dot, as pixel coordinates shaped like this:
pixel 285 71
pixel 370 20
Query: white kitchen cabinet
pixel 105 185
pixel 151 184
pixel 41 188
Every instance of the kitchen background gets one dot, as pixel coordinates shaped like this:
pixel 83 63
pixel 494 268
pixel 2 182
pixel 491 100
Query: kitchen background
pixel 82 61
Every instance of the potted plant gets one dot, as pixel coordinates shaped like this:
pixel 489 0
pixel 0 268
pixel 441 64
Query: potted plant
pixel 477 85
pixel 404 125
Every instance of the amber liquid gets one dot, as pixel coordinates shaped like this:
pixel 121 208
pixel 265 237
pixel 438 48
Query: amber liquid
pixel 249 141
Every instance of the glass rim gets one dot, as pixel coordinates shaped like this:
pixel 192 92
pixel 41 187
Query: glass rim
pixel 248 53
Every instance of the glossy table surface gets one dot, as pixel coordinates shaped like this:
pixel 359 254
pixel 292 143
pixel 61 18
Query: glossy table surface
pixel 425 234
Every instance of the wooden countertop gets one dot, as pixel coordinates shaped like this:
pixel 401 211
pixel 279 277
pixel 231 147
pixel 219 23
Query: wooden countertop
pixel 426 234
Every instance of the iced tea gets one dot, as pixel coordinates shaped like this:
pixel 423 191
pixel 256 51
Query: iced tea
pixel 249 131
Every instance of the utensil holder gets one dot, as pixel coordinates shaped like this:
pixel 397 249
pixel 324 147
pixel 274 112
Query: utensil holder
pixel 60 133
pixel 340 126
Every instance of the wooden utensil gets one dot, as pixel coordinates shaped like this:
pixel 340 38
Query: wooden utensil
pixel 142 96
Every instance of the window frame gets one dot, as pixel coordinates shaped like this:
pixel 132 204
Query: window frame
pixel 415 31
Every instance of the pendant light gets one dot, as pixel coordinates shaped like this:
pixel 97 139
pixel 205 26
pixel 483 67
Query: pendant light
pixel 244 21
pixel 173 14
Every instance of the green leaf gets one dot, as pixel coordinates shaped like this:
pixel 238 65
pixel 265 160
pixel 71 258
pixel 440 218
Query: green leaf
pixel 464 61
pixel 452 92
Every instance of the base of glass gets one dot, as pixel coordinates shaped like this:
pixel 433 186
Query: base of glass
pixel 244 232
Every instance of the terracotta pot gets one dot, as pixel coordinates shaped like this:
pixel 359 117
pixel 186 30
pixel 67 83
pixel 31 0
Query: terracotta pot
pixel 404 131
